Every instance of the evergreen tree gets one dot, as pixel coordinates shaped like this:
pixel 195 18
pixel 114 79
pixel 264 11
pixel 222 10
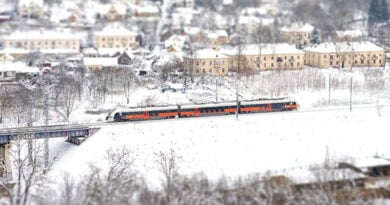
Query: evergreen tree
pixel 378 12
pixel 315 37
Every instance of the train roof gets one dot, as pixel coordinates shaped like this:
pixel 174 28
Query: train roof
pixel 143 109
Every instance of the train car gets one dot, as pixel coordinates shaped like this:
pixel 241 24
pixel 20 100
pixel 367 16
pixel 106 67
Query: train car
pixel 198 110
pixel 275 105
pixel 146 113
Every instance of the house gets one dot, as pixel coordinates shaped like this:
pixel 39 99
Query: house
pixel 345 55
pixel 298 34
pixel 207 62
pixel 257 57
pixel 144 11
pixel 125 58
pixel 115 36
pixel 10 72
pixel 185 3
pixel 350 35
pixel 116 12
pixel 100 63
pixel 30 8
pixel 176 43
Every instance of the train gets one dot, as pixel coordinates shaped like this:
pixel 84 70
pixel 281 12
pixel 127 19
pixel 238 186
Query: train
pixel 201 110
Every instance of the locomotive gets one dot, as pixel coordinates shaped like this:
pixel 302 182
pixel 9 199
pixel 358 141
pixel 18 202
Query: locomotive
pixel 199 110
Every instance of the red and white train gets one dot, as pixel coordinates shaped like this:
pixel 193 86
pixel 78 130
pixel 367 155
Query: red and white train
pixel 199 110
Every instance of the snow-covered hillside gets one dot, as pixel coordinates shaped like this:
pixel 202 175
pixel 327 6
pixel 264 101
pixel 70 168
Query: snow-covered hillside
pixel 276 142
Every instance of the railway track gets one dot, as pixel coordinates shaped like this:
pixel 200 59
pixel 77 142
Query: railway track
pixel 100 124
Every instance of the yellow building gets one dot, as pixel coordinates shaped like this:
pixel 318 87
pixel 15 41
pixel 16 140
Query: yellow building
pixel 115 37
pixel 257 57
pixel 48 42
pixel 207 62
pixel 30 8
pixel 298 34
pixel 345 55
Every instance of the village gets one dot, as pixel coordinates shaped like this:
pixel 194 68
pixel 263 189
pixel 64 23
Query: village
pixel 150 36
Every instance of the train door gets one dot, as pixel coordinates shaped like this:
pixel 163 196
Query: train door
pixel 268 107
pixel 146 115
pixel 196 112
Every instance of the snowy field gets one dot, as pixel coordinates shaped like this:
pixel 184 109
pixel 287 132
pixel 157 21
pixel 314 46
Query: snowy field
pixel 255 143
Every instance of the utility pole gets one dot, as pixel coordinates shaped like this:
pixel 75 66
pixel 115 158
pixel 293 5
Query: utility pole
pixel 350 96
pixel 216 90
pixel 329 84
pixel 46 142
pixel 237 95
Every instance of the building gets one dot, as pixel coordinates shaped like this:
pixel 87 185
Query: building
pixel 48 42
pixel 100 63
pixel 345 55
pixel 298 34
pixel 10 72
pixel 115 37
pixel 257 57
pixel 185 3
pixel 30 8
pixel 116 12
pixel 207 62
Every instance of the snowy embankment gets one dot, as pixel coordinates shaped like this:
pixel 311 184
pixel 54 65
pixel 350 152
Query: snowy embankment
pixel 225 146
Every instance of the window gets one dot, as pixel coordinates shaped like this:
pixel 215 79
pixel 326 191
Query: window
pixel 355 61
pixel 272 64
pixel 292 64
pixel 210 62
pixel 204 63
pixel 380 61
pixel 272 58
pixel 223 70
pixel 265 58
pixel 197 70
pixel 197 62
pixel 324 56
pixel 265 65
pixel 210 70
pixel 298 57
pixel 204 70
pixel 331 62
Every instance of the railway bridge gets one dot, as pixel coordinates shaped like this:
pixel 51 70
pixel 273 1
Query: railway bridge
pixel 75 134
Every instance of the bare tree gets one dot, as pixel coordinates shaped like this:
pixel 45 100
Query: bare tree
pixel 169 167
pixel 28 171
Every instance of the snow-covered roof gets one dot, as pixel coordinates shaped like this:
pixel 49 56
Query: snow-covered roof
pixel 18 68
pixel 298 27
pixel 208 54
pixel 176 40
pixel 248 20
pixel 146 9
pixel 267 9
pixel 31 2
pixel 265 49
pixel 192 30
pixel 110 51
pixel 90 51
pixel 227 2
pixel 115 30
pixel 120 8
pixel 100 61
pixel 350 33
pixel 344 47
pixel 42 35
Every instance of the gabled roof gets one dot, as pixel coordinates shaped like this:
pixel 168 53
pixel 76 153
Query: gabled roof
pixel 264 49
pixel 208 54
pixel 344 47
pixel 298 27
pixel 115 30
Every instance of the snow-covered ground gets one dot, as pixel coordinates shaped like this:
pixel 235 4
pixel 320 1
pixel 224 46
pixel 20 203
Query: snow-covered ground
pixel 286 143
pixel 276 142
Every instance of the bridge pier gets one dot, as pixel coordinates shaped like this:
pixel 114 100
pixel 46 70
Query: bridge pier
pixel 5 162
